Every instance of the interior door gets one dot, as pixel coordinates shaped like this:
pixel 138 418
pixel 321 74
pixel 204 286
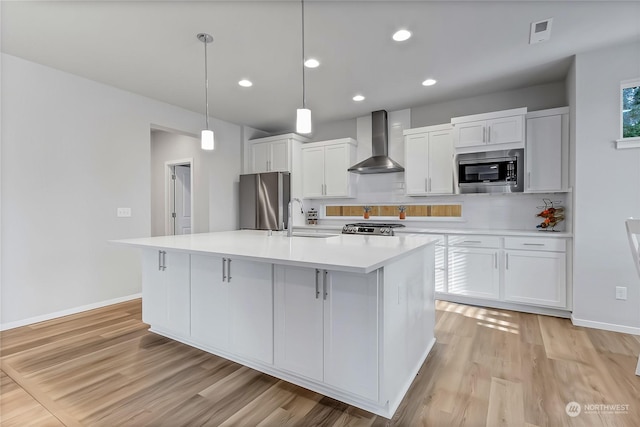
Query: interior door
pixel 182 199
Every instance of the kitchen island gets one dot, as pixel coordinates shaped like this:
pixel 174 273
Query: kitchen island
pixel 348 316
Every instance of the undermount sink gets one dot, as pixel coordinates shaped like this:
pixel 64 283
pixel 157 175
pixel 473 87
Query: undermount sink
pixel 315 235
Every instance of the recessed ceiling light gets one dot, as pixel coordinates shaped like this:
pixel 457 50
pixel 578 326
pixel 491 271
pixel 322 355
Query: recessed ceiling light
pixel 429 82
pixel 245 83
pixel 401 35
pixel 358 98
pixel 311 63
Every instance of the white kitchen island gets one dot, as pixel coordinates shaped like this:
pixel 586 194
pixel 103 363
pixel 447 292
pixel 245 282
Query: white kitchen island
pixel 348 316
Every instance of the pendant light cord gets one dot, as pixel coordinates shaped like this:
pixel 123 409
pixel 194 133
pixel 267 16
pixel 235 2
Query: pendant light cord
pixel 304 97
pixel 206 84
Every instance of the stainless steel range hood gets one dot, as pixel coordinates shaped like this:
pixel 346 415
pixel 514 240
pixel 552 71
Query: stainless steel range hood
pixel 379 162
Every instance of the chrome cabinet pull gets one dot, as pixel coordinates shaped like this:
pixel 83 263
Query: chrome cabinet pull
pixel 484 134
pixel 429 184
pixel 528 179
pixel 228 270
pixel 317 283
pixel 426 184
pixel 495 260
pixel 472 241
pixel 164 260
pixel 507 260
pixel 224 264
pixel 324 284
pixel 533 244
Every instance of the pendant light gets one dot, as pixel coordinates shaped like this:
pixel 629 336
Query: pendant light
pixel 303 119
pixel 206 141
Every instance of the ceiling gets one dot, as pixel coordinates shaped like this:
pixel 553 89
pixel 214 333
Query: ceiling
pixel 470 48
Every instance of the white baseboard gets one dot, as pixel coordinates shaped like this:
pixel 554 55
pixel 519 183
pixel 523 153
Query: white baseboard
pixel 36 319
pixel 605 326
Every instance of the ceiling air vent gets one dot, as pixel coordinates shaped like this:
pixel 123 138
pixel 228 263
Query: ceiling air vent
pixel 540 31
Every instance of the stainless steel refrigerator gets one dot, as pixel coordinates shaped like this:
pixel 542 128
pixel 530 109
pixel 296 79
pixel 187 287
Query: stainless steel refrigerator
pixel 264 200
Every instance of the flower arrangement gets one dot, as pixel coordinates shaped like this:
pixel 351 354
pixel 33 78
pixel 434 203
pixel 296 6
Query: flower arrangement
pixel 402 210
pixel 552 215
pixel 366 209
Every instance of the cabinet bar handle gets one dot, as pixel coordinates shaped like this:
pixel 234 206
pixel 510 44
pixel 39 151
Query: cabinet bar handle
pixel 528 179
pixel 224 264
pixel 324 284
pixel 507 261
pixel 495 260
pixel 426 184
pixel 484 134
pixel 471 241
pixel 429 185
pixel 317 283
pixel 160 260
pixel 228 270
pixel 164 260
pixel 533 244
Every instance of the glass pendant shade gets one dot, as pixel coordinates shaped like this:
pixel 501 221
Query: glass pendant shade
pixel 206 141
pixel 303 122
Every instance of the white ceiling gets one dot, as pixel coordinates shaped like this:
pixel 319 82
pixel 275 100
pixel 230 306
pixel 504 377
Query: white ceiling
pixel 150 48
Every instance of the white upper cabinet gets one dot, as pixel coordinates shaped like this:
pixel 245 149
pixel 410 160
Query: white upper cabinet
pixel 547 150
pixel 429 160
pixel 274 153
pixel 324 168
pixel 490 131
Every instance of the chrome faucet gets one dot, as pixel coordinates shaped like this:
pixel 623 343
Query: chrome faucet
pixel 290 220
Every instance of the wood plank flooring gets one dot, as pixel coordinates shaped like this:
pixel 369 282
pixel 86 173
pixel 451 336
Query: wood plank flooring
pixel 488 368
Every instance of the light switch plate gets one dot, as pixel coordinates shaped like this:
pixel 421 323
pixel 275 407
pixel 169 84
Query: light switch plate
pixel 124 212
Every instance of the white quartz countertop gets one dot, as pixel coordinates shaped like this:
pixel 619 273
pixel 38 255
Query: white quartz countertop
pixel 351 253
pixel 462 231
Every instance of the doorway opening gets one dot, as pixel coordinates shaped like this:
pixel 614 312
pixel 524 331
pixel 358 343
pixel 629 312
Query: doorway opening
pixel 178 198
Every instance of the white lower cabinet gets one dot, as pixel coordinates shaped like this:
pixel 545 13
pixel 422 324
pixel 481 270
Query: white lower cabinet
pixel 209 302
pixel 326 327
pixel 474 272
pixel 166 291
pixel 514 269
pixel 535 276
pixel 232 305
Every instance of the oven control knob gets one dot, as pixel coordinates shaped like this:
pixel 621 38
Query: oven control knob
pixel 384 230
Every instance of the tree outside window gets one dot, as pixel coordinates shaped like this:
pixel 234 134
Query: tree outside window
pixel 631 110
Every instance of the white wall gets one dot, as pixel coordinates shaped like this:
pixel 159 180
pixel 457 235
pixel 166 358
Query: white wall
pixel 73 151
pixel 607 191
pixel 539 97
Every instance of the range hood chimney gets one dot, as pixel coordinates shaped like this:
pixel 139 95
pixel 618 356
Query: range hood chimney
pixel 379 162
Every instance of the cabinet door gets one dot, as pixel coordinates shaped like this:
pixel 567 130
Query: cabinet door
pixel 260 157
pixel 469 134
pixel 416 169
pixel 351 333
pixel 440 162
pixel 504 130
pixel 313 172
pixel 298 332
pixel 336 177
pixel 251 309
pixel 474 272
pixel 166 291
pixel 279 156
pixel 544 153
pixel 209 302
pixel 534 277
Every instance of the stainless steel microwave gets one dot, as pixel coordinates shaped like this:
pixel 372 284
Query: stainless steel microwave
pixel 490 172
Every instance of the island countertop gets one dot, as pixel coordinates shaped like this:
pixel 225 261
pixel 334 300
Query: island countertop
pixel 350 253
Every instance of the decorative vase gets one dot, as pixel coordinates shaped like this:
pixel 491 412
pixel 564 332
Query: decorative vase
pixel 366 215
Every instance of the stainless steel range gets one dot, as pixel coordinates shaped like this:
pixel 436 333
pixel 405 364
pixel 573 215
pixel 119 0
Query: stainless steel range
pixel 371 228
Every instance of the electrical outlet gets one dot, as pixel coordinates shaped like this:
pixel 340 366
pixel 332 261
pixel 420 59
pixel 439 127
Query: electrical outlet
pixel 123 212
pixel 621 292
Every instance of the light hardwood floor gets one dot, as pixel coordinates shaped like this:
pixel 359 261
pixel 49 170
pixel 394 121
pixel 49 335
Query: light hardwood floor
pixel 488 368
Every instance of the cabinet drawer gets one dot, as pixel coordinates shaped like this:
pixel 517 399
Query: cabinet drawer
pixel 475 241
pixel 536 243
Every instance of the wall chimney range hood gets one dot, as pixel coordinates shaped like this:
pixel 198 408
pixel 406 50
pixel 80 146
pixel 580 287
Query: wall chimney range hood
pixel 379 162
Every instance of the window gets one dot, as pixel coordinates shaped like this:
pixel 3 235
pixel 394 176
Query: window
pixel 630 109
